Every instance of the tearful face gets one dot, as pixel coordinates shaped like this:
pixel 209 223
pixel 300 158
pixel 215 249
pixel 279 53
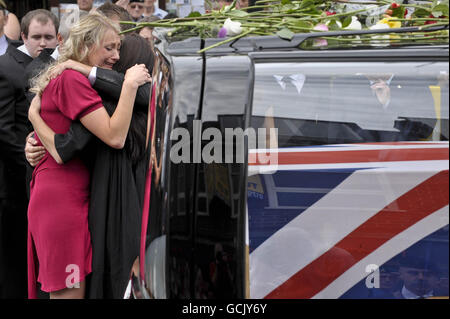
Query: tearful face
pixel 107 53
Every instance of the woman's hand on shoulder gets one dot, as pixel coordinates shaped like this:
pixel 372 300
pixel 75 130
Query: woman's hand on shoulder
pixel 137 76
pixel 70 64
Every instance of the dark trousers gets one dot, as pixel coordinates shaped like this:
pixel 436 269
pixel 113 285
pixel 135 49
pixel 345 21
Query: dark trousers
pixel 13 248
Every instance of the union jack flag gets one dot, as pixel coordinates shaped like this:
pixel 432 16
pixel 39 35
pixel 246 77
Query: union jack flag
pixel 324 213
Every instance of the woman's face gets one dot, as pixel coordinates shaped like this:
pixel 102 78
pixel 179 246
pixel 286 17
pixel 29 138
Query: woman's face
pixel 107 54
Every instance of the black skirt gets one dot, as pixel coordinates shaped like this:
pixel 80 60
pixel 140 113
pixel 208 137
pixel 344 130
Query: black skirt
pixel 115 212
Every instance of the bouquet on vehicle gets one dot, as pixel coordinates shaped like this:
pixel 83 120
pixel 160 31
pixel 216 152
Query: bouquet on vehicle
pixel 285 18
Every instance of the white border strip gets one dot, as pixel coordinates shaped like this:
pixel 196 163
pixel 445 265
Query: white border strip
pixel 438 165
pixel 349 147
pixel 388 250
pixel 324 224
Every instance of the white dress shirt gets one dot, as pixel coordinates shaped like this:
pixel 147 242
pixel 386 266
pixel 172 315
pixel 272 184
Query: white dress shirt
pixel 3 44
pixel 24 49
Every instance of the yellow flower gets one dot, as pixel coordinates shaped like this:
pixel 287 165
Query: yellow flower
pixel 391 24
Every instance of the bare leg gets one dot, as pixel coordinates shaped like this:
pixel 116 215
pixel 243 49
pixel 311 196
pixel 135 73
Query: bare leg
pixel 70 293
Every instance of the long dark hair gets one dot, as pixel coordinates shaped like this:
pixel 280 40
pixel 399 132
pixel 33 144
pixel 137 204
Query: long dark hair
pixel 136 50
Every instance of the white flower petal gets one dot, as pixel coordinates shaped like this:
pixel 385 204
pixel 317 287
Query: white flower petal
pixel 354 25
pixel 233 28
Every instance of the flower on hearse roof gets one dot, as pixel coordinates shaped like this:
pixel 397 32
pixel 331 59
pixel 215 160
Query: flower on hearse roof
pixel 389 23
pixel 232 27
pixel 321 27
pixel 354 25
pixel 433 17
pixel 320 42
pixel 222 33
pixel 286 18
pixel 380 40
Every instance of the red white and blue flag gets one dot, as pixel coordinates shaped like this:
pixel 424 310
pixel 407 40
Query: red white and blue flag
pixel 322 214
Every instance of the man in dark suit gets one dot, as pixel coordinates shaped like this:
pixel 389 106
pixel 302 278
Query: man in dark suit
pixel 39 29
pixel 4 41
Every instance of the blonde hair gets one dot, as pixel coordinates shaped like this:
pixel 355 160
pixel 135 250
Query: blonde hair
pixel 84 35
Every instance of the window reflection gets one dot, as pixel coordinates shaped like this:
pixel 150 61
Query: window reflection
pixel 312 206
pixel 154 284
pixel 372 96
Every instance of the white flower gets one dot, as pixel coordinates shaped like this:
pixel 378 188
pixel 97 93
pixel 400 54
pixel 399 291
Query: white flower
pixel 354 25
pixel 380 40
pixel 233 28
pixel 379 26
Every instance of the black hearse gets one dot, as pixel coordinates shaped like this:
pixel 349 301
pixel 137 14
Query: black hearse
pixel 359 192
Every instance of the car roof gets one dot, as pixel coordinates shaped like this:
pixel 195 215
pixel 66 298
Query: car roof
pixel 247 45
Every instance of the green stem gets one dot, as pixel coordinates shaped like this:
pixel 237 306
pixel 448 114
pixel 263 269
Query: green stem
pixel 130 30
pixel 364 3
pixel 162 25
pixel 243 34
pixel 350 13
pixel 255 25
pixel 432 25
pixel 293 27
pixel 267 1
pixel 176 20
pixel 260 7
pixel 419 19
pixel 262 33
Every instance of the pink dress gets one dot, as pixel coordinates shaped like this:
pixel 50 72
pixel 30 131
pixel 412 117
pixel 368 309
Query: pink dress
pixel 58 231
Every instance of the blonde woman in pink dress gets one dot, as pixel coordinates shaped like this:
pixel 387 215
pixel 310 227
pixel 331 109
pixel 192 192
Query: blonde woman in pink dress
pixel 59 194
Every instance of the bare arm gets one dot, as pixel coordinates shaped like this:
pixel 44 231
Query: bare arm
pixel 45 133
pixel 107 82
pixel 113 130
pixel 71 64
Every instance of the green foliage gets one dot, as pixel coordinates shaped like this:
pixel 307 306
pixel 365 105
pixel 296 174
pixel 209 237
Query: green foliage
pixel 303 24
pixel 284 18
pixel 399 12
pixel 307 4
pixel 237 13
pixel 421 13
pixel 346 21
pixel 333 25
pixel 194 14
pixel 440 10
pixel 285 34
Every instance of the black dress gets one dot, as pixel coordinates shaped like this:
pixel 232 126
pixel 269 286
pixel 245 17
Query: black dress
pixel 117 191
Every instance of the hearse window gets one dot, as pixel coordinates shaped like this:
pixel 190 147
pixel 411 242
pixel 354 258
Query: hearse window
pixel 355 202
pixel 328 103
